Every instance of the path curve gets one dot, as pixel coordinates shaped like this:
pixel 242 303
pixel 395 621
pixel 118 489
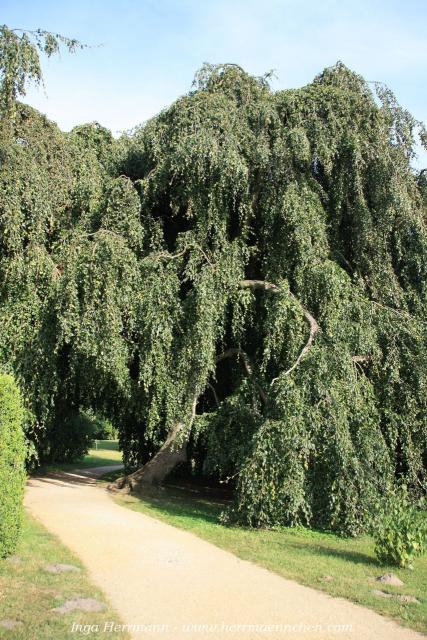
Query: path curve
pixel 155 574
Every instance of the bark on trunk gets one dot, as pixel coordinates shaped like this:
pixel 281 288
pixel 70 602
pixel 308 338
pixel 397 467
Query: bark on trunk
pixel 154 472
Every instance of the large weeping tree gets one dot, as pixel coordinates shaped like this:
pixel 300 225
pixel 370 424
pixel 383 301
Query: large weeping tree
pixel 241 284
pixel 283 296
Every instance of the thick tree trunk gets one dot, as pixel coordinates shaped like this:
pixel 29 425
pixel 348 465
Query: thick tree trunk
pixel 158 468
pixel 154 472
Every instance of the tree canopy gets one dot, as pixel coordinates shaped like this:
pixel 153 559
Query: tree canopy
pixel 239 283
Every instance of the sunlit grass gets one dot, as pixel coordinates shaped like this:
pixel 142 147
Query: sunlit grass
pixel 103 453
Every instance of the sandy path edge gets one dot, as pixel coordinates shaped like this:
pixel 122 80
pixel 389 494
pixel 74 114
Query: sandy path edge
pixel 168 583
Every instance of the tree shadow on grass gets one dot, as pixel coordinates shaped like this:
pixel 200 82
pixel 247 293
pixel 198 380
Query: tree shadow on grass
pixel 349 555
pixel 173 501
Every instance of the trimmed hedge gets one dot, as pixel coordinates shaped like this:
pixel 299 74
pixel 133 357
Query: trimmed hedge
pixel 12 465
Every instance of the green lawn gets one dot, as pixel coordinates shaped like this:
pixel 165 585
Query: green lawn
pixel 340 566
pixel 28 593
pixel 104 452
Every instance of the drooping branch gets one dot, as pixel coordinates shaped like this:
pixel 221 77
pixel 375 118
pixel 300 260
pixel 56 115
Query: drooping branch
pixel 361 358
pixel 260 284
pixel 166 255
pixel 314 328
pixel 273 288
pixel 214 393
pixel 236 351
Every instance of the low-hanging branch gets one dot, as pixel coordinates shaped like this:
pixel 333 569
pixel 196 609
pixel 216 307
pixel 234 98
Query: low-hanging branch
pixel 237 351
pixel 363 359
pixel 214 393
pixel 273 288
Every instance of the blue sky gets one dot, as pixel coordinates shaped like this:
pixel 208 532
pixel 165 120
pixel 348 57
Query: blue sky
pixel 152 48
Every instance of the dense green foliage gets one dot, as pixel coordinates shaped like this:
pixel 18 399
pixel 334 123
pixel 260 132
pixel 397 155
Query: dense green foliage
pixel 12 465
pixel 102 429
pixel 138 270
pixel 400 532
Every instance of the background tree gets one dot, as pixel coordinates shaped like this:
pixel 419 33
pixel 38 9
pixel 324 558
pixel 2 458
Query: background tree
pixel 20 61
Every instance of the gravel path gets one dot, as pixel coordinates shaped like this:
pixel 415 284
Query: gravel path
pixel 166 583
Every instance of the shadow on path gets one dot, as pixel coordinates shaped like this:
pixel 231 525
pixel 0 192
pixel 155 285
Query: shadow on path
pixel 76 477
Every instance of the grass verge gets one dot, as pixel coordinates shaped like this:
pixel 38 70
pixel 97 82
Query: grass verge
pixel 28 593
pixel 104 453
pixel 344 567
